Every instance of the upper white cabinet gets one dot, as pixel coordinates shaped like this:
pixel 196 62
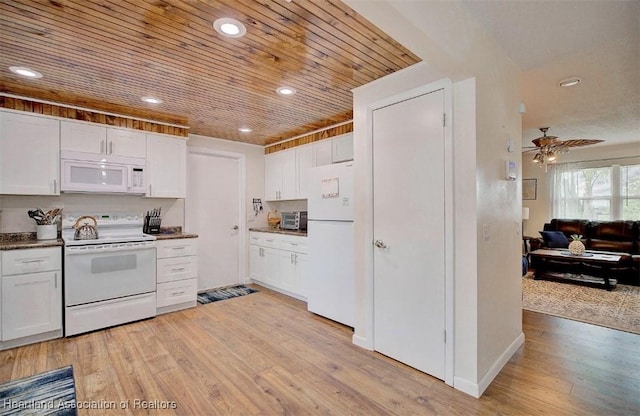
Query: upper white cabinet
pixel 280 175
pixel 166 166
pixel 29 154
pixel 304 161
pixel 322 152
pixel 101 139
pixel 122 142
pixel 286 172
pixel 342 148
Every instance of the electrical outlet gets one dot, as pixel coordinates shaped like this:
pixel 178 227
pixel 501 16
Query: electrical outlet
pixel 485 232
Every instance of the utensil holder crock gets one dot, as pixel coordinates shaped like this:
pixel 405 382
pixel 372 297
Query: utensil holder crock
pixel 47 232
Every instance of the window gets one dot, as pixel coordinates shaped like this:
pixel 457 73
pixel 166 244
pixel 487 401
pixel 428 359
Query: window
pixel 596 192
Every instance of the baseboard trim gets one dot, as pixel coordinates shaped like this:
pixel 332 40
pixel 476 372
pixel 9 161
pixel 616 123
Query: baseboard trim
pixel 477 389
pixel 362 342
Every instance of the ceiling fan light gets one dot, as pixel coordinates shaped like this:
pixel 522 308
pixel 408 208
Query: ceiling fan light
pixel 551 157
pixel 570 82
pixel 537 158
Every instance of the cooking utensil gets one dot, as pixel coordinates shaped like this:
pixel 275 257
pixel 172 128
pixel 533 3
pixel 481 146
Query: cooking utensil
pixel 86 231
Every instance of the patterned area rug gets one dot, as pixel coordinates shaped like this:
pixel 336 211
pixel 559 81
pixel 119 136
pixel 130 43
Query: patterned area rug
pixel 618 309
pixel 49 393
pixel 224 293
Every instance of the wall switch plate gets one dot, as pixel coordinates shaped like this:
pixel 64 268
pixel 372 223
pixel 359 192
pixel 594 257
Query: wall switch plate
pixel 485 232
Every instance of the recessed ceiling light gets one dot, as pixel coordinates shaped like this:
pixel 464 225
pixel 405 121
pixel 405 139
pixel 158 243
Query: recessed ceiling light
pixel 25 72
pixel 245 129
pixel 151 100
pixel 570 82
pixel 285 90
pixel 229 27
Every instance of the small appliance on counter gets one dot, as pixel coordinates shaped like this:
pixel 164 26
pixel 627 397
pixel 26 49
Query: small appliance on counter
pixel 85 231
pixel 152 221
pixel 295 220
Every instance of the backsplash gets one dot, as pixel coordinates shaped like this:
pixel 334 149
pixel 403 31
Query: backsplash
pixel 285 206
pixel 14 218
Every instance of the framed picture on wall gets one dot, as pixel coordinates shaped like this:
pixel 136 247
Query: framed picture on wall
pixel 529 189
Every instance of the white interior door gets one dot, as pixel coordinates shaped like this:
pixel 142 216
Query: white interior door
pixel 213 212
pixel 409 231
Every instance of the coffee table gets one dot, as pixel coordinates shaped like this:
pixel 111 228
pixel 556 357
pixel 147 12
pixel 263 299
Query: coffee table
pixel 561 265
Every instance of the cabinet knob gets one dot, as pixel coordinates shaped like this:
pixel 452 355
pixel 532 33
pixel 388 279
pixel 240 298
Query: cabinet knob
pixel 235 227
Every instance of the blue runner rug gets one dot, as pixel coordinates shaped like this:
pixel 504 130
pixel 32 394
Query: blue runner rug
pixel 224 293
pixel 49 393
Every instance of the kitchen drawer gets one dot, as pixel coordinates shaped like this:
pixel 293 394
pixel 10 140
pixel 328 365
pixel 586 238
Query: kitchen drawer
pixel 265 239
pixel 177 268
pixel 271 240
pixel 31 260
pixel 256 238
pixel 173 293
pixel 176 248
pixel 295 244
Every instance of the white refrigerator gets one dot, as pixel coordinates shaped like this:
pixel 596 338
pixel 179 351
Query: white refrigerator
pixel 331 290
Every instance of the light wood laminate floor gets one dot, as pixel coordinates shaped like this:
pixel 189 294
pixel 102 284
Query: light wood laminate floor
pixel 265 354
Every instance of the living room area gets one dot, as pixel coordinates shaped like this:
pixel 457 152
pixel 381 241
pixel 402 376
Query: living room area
pixel 590 194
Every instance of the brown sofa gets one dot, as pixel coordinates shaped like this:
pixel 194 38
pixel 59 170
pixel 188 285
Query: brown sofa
pixel 619 237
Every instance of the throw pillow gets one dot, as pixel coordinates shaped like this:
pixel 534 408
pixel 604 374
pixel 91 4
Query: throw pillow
pixel 555 239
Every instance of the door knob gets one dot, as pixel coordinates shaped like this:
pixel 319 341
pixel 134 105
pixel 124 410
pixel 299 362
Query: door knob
pixel 380 244
pixel 235 227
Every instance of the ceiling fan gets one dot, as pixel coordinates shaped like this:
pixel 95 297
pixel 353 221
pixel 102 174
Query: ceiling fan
pixel 547 148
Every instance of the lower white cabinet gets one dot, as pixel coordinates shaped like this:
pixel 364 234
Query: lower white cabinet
pixel 176 275
pixel 31 309
pixel 279 261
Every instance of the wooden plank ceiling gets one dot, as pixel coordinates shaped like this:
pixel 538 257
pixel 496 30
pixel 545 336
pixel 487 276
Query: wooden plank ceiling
pixel 107 54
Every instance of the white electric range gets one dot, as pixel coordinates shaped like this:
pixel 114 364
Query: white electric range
pixel 109 280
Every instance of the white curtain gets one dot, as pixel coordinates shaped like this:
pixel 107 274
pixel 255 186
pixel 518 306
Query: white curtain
pixel 564 189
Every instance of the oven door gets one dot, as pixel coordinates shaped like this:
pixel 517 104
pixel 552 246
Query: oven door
pixel 108 273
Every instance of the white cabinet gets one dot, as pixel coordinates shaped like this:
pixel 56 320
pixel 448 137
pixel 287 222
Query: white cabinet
pixel 177 275
pixel 100 139
pixel 122 142
pixel 166 166
pixel 322 152
pixel 279 261
pixel 31 308
pixel 29 154
pixel 280 175
pixel 83 137
pixel 304 161
pixel 342 148
pixel 286 173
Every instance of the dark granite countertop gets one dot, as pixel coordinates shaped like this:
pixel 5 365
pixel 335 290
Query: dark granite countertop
pixel 279 231
pixel 170 233
pixel 17 241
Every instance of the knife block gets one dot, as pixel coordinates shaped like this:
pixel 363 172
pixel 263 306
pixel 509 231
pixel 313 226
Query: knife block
pixel 151 225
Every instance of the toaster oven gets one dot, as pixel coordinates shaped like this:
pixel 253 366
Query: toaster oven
pixel 295 220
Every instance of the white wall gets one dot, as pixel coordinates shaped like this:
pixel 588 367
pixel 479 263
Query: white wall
pixel 540 211
pixel 488 294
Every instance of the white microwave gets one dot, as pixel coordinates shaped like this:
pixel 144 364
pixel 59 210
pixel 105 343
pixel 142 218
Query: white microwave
pixel 88 172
